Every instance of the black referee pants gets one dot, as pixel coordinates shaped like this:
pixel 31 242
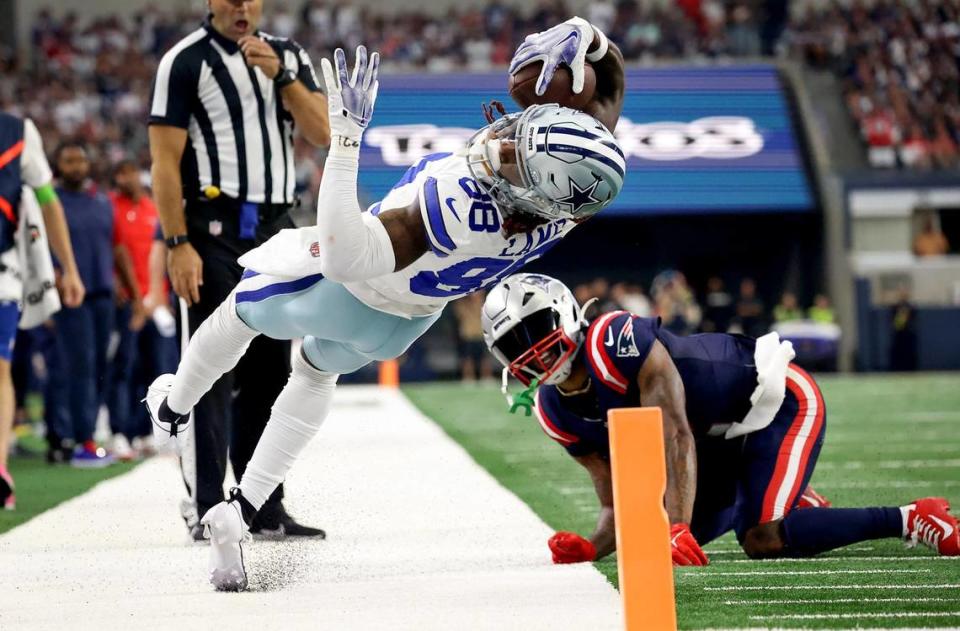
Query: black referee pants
pixel 230 418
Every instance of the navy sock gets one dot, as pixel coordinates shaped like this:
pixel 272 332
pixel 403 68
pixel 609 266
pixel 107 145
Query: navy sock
pixel 813 530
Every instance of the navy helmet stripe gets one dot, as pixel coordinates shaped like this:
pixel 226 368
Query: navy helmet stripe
pixel 583 133
pixel 586 153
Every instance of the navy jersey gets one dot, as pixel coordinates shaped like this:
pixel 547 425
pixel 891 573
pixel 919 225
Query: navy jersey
pixel 717 371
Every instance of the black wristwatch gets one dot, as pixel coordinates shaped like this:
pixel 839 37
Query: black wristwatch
pixel 175 240
pixel 284 77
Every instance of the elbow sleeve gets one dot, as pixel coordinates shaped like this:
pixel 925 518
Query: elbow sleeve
pixel 353 245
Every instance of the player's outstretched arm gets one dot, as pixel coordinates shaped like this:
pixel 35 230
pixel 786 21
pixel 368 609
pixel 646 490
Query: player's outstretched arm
pixel 573 43
pixel 355 245
pixel 604 538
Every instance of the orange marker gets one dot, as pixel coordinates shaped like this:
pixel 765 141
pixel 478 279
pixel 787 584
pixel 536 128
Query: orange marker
pixel 389 374
pixel 639 471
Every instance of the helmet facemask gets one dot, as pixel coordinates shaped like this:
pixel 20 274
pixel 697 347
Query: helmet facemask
pixel 537 348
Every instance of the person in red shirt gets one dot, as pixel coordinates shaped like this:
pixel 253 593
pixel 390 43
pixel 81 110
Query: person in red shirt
pixel 144 350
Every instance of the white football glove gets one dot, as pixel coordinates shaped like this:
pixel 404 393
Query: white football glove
pixel 565 43
pixel 350 100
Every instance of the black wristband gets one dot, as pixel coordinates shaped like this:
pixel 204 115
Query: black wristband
pixel 284 77
pixel 175 240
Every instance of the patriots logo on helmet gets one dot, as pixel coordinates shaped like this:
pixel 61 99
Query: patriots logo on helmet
pixel 626 345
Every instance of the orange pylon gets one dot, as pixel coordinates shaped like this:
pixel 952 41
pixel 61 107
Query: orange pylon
pixel 389 374
pixel 644 563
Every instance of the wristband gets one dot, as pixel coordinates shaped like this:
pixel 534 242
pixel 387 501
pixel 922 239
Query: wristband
pixel 344 147
pixel 45 194
pixel 602 48
pixel 175 240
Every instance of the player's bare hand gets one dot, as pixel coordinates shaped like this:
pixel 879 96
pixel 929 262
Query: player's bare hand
pixel 138 318
pixel 684 548
pixel 259 54
pixel 185 268
pixel 569 547
pixel 72 290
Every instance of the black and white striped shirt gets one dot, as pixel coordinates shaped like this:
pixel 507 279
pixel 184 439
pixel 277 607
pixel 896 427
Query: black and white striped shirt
pixel 239 134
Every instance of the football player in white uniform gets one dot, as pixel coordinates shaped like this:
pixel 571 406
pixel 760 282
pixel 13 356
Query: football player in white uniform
pixel 362 286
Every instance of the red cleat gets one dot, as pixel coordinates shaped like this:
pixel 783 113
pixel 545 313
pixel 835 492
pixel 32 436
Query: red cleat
pixel 812 499
pixel 928 521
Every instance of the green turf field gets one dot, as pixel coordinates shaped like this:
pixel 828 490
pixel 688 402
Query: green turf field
pixel 890 439
pixel 41 486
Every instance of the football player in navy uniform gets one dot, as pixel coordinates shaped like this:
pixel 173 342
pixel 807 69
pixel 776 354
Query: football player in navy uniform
pixel 743 427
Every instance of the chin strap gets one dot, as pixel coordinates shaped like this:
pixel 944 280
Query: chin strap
pixel 523 399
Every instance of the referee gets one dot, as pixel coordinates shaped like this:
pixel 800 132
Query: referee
pixel 226 99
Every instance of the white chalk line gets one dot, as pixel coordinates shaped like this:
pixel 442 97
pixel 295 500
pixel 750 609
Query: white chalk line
pixel 887 484
pixel 849 559
pixel 853 616
pixel 927 463
pixel 737 588
pixel 839 601
pixel 701 574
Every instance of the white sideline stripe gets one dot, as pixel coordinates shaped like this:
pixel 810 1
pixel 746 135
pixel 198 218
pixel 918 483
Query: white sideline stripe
pixel 740 551
pixel 839 601
pixel 700 574
pixel 737 588
pixel 420 537
pixel 926 463
pixel 853 616
pixel 847 559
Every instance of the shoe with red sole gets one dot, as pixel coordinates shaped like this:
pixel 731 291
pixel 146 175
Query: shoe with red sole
pixel 928 521
pixel 812 499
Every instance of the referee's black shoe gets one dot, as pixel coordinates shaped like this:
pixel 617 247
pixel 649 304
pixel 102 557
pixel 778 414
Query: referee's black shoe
pixel 273 522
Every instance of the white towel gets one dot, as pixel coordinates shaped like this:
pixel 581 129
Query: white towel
pixel 772 357
pixel 40 297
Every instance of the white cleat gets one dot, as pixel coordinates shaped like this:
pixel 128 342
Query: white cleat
pixel 165 433
pixel 226 530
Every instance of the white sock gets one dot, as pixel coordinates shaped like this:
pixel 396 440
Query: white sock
pixel 295 418
pixel 214 349
pixel 905 513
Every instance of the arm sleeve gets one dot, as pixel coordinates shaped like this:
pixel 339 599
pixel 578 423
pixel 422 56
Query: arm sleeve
pixel 33 162
pixel 353 245
pixel 174 90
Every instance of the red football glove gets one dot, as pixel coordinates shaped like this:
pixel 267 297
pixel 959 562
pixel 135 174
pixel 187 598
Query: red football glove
pixel 569 547
pixel 684 548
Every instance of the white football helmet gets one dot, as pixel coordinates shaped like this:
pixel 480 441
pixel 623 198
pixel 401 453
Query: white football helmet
pixel 565 163
pixel 533 326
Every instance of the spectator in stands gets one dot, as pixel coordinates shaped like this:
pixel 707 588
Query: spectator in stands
pixel 750 310
pixel 78 357
pixel 630 297
pixel 788 309
pixel 822 311
pixel 675 303
pixel 930 241
pixel 903 345
pixel 474 359
pixel 718 309
pixel 142 353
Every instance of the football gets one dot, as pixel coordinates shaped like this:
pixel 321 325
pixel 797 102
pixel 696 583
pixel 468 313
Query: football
pixel 523 83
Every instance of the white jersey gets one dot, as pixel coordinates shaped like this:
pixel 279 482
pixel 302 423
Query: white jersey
pixel 467 251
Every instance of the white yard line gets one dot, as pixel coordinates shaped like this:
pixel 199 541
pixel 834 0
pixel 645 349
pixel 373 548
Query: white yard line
pixel 839 601
pixel 886 484
pixel 739 588
pixel 854 616
pixel 420 537
pixel 926 463
pixel 847 559
pixel 697 573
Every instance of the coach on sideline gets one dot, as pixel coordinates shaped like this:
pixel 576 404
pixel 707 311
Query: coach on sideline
pixel 225 102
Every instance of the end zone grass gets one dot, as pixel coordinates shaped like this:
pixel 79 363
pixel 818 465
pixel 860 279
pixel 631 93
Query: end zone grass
pixel 890 439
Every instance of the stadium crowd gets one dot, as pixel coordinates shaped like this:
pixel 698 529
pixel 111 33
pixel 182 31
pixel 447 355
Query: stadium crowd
pixel 900 63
